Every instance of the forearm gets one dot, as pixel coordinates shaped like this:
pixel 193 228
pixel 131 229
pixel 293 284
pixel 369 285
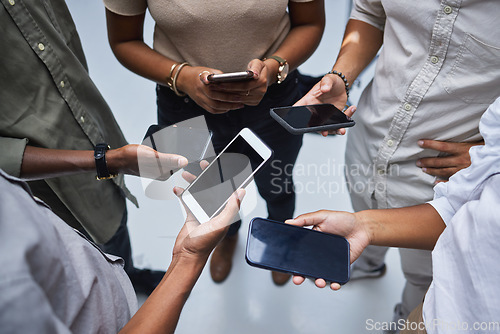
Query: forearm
pixel 308 24
pixel 41 163
pixel 125 35
pixel 359 47
pixel 160 313
pixel 411 227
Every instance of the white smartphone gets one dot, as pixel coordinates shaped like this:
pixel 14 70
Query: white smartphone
pixel 231 170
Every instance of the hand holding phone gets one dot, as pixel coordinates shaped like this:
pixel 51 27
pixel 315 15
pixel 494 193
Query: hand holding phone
pixel 230 77
pixel 311 118
pixel 292 249
pixel 231 170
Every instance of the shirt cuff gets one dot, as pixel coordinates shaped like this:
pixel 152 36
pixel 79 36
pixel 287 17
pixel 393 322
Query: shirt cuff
pixel 444 208
pixel 11 155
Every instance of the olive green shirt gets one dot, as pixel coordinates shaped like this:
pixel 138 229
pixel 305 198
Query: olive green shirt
pixel 48 100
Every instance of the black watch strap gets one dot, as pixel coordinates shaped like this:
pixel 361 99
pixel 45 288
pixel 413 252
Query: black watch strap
pixel 100 162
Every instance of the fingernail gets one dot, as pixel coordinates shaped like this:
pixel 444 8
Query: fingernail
pixel 182 162
pixel 424 170
pixel 241 194
pixel 420 143
pixel 288 221
pixel 419 163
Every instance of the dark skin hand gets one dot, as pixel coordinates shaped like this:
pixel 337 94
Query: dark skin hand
pixel 456 157
pixel 126 40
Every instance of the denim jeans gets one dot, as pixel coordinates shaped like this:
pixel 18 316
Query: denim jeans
pixel 274 181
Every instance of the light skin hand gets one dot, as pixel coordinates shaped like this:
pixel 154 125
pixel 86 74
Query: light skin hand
pixel 335 222
pixel 456 158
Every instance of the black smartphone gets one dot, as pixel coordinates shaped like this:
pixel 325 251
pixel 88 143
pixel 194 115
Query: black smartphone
pixel 296 250
pixel 230 77
pixel 311 118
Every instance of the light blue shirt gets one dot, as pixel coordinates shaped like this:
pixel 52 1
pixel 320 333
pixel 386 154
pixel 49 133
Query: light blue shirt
pixel 52 279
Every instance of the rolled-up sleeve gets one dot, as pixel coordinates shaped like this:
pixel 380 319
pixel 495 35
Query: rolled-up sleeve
pixel 126 7
pixel 11 154
pixel 369 11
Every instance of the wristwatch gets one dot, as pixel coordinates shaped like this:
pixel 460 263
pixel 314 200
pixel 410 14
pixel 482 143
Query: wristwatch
pixel 100 162
pixel 282 69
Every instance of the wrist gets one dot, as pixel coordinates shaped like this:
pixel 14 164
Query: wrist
pixel 342 79
pixel 272 68
pixel 117 161
pixel 181 73
pixel 190 261
pixel 366 224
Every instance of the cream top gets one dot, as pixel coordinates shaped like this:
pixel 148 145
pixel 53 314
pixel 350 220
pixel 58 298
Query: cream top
pixel 221 34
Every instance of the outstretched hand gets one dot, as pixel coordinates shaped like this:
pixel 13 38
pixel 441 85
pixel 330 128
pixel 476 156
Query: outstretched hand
pixel 198 240
pixel 141 160
pixel 335 222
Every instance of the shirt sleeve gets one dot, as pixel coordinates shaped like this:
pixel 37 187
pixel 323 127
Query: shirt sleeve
pixel 21 298
pixel 11 154
pixel 369 11
pixel 126 7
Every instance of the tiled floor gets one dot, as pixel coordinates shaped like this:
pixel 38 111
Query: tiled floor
pixel 248 302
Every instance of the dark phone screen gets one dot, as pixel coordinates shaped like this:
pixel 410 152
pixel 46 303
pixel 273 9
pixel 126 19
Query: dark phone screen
pixel 298 250
pixel 225 175
pixel 311 116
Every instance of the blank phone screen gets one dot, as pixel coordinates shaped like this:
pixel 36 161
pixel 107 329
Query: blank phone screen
pixel 311 116
pixel 225 175
pixel 298 250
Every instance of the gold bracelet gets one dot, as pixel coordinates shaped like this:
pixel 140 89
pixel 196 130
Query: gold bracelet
pixel 169 78
pixel 174 81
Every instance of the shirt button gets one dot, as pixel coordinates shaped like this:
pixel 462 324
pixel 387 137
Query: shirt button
pixel 390 142
pixel 82 119
pixel 407 106
pixel 12 2
pixel 434 59
pixel 61 84
pixel 41 47
pixel 186 100
pixel 448 9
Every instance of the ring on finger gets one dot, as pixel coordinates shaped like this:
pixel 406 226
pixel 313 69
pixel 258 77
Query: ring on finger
pixel 201 73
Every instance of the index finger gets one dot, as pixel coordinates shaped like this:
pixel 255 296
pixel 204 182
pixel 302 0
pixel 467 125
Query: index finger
pixel 308 219
pixel 437 145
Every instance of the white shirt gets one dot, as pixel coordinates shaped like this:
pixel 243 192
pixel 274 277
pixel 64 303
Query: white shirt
pixel 465 292
pixel 438 71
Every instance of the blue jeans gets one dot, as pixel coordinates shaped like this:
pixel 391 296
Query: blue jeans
pixel 274 182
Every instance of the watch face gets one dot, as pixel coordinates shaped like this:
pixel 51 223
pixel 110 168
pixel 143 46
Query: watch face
pixel 284 71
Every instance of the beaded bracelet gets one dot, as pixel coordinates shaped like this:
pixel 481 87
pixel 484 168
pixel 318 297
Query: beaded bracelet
pixel 174 80
pixel 343 79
